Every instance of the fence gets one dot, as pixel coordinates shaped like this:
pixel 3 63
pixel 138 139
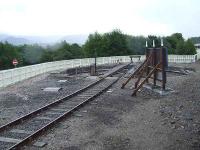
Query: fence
pixel 198 54
pixel 182 58
pixel 11 76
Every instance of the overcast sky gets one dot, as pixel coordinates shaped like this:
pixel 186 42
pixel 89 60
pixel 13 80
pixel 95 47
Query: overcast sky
pixel 67 17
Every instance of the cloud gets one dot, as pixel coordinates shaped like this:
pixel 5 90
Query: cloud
pixel 61 17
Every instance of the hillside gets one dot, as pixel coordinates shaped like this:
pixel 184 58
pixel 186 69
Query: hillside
pixel 42 40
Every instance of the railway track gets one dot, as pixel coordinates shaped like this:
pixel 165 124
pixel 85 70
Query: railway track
pixel 19 132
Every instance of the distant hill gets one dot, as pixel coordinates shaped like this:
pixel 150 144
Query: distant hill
pixel 15 40
pixel 79 39
pixel 3 36
pixel 43 40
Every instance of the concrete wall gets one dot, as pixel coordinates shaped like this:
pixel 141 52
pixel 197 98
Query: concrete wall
pixel 198 54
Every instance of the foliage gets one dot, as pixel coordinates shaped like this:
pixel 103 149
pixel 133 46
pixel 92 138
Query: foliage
pixel 32 53
pixel 186 48
pixel 115 43
pixel 8 52
pixel 177 45
pixel 63 51
pixel 108 44
pixel 94 45
pixel 195 40
pixel 189 48
pixel 136 44
pixel 47 56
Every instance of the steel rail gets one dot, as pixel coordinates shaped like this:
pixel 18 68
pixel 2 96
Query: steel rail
pixel 18 120
pixel 58 119
pixel 55 103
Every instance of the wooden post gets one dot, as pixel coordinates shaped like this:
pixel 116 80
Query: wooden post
pixel 147 69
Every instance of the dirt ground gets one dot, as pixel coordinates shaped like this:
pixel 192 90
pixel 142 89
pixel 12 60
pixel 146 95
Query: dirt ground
pixel 117 121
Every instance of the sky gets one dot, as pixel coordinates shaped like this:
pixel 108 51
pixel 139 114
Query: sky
pixel 70 17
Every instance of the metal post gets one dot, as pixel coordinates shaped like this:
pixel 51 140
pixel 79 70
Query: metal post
pixel 131 59
pixel 154 63
pixel 95 62
pixel 164 77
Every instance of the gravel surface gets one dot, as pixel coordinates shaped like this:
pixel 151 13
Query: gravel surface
pixel 117 121
pixel 21 98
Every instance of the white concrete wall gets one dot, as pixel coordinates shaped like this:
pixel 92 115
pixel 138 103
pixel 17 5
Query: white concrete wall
pixel 181 58
pixel 11 76
pixel 198 54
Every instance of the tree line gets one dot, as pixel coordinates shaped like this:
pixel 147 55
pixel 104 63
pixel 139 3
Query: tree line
pixel 195 40
pixel 113 43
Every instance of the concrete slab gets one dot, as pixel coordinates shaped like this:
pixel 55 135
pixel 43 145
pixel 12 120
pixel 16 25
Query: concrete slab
pixel 109 91
pixel 39 144
pixel 158 89
pixel 9 140
pixel 62 81
pixel 52 89
pixel 78 115
pixel 21 131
